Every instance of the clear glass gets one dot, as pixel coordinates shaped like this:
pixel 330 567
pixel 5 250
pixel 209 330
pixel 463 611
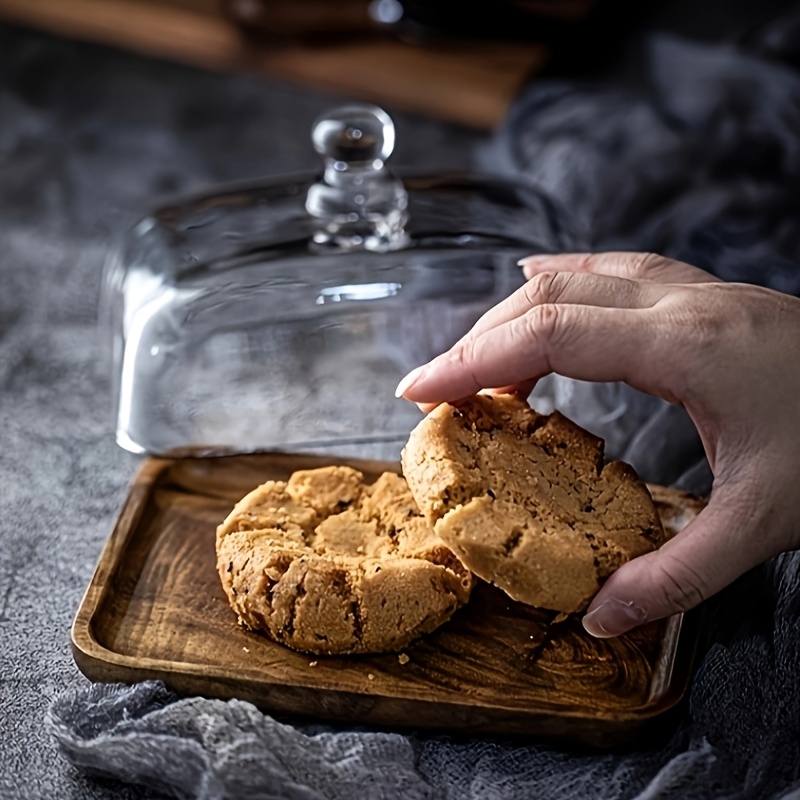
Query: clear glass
pixel 237 327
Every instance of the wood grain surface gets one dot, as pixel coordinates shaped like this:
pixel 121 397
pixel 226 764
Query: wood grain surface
pixel 155 609
pixel 472 83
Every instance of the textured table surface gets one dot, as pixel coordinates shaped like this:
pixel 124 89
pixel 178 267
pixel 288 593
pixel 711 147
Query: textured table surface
pixel 90 138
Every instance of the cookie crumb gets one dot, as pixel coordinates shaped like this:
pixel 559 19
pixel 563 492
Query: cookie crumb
pixel 313 663
pixel 246 649
pixel 560 618
pixel 370 676
pixel 403 658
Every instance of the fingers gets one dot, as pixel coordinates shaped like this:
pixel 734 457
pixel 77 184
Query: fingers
pixel 609 280
pixel 715 549
pixel 515 321
pixel 577 341
pixel 570 287
pixel 635 266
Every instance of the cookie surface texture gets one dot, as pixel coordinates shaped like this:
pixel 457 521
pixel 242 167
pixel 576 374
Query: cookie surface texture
pixel 526 501
pixel 328 565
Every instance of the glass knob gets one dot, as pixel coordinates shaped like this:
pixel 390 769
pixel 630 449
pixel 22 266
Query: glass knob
pixel 358 203
pixel 360 134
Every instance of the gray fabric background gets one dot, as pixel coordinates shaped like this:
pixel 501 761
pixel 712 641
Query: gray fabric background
pixel 89 139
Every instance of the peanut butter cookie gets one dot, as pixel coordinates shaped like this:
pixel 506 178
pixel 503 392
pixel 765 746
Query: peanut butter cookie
pixel 326 564
pixel 526 502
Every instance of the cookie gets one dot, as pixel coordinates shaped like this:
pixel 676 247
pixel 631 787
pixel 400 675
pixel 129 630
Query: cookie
pixel 526 501
pixel 326 564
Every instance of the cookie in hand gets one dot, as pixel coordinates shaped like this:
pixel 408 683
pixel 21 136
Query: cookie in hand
pixel 526 501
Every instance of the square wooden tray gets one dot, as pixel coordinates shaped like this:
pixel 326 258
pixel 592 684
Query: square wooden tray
pixel 155 609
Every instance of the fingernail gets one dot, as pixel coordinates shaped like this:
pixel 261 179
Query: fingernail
pixel 527 260
pixel 408 381
pixel 612 618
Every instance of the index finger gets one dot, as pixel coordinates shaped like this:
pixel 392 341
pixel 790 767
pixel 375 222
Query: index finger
pixel 588 343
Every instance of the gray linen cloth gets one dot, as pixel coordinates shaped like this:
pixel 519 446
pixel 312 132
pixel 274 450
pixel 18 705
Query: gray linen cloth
pixel 740 740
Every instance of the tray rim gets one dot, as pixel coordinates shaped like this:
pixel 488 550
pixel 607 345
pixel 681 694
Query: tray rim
pixel 95 660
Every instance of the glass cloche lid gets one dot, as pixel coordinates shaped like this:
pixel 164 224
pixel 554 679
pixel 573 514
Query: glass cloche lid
pixel 280 314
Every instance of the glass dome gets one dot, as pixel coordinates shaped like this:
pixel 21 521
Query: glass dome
pixel 280 314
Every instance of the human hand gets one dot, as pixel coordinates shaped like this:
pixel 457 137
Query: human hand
pixel 729 353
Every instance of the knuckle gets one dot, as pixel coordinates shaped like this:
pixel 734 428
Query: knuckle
pixel 640 265
pixel 543 288
pixel 543 322
pixel 625 264
pixel 680 587
pixel 464 354
pixel 465 357
pixel 589 261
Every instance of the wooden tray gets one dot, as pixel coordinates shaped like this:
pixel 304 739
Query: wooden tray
pixel 155 609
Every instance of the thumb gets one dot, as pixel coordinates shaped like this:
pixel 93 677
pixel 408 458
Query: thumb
pixel 718 546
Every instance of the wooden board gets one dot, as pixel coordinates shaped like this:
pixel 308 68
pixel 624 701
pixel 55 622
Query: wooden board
pixel 472 83
pixel 155 609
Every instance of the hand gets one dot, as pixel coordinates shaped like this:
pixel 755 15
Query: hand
pixel 729 353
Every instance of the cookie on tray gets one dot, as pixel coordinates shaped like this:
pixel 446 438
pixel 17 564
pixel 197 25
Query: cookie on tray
pixel 526 501
pixel 326 564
